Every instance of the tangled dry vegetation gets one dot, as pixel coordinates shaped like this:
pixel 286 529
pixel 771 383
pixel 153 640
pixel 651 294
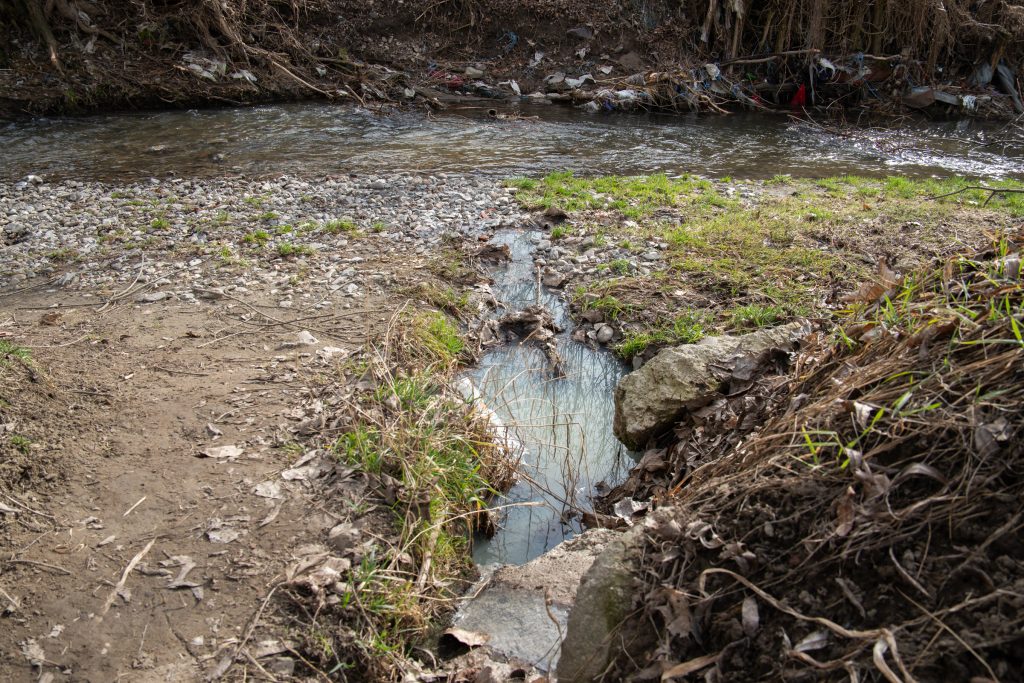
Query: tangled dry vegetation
pixel 416 466
pixel 192 51
pixel 872 530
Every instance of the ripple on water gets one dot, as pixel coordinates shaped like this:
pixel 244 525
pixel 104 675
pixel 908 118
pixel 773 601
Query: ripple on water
pixel 318 139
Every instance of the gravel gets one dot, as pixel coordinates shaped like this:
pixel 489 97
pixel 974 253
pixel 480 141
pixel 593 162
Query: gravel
pixel 199 239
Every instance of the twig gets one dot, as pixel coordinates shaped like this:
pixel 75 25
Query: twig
pixel 124 577
pixel 428 556
pixel 252 660
pixel 883 637
pixel 951 632
pixel 25 507
pixel 128 290
pixel 180 372
pixel 249 629
pixel 137 504
pixel 38 564
pixel 992 192
pixel 60 346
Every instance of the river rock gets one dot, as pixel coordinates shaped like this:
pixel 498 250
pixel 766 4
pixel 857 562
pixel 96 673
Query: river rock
pixel 515 609
pixel 152 297
pixel 651 399
pixel 603 600
pixel 605 334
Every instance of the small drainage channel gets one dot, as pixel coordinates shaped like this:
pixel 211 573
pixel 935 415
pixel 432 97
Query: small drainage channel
pixel 562 424
pixel 562 427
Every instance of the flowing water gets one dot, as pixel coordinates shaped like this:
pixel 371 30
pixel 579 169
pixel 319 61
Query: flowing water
pixel 328 139
pixel 561 425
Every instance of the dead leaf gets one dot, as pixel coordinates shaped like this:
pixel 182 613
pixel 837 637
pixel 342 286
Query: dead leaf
pixel 691 666
pixel 815 641
pixel 751 618
pixel 268 489
pixel 989 436
pixel 222 452
pixel 846 513
pixel 470 639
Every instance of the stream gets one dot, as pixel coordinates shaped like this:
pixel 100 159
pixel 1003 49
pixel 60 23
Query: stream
pixel 561 425
pixel 317 139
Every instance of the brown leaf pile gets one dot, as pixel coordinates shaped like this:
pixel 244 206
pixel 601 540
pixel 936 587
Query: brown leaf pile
pixel 872 529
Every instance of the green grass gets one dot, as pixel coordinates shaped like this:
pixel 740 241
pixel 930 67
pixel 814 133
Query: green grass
pixel 687 328
pixel 786 251
pixel 159 224
pixel 632 196
pixel 361 447
pixel 559 231
pixel 257 237
pixel 340 225
pixel 619 266
pixel 288 249
pixel 21 443
pixel 756 316
pixel 9 350
pixel 610 305
pixel 447 299
pixel 62 255
pixel 438 336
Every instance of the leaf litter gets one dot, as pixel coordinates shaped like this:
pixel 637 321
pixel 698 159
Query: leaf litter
pixel 869 524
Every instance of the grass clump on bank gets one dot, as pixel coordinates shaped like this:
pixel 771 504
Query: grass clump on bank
pixel 10 351
pixel 750 254
pixel 431 464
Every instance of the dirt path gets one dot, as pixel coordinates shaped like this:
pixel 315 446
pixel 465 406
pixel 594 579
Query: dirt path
pixel 124 402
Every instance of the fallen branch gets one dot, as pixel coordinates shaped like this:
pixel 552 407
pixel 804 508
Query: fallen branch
pixel 124 578
pixel 992 192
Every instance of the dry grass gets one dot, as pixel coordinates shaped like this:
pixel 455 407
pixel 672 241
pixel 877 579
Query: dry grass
pixel 872 529
pixel 430 462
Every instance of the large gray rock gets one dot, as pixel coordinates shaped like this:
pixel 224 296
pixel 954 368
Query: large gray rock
pixel 603 600
pixel 517 611
pixel 652 399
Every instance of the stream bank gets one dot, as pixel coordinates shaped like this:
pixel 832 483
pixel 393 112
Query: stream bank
pixel 129 295
pixel 76 56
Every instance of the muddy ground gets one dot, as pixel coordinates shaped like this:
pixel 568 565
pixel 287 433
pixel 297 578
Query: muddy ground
pixel 157 403
pixel 118 408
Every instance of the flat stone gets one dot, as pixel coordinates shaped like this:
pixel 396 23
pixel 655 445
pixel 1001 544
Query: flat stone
pixel 152 297
pixel 511 610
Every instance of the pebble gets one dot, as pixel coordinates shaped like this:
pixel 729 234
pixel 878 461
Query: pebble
pixel 108 235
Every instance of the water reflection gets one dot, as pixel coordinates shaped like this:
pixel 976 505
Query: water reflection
pixel 563 424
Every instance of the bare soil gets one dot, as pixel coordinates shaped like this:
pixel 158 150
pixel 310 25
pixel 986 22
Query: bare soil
pixel 118 407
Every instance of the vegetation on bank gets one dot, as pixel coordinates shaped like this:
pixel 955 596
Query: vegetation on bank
pixel 72 55
pixel 433 465
pixel 874 511
pixel 736 256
